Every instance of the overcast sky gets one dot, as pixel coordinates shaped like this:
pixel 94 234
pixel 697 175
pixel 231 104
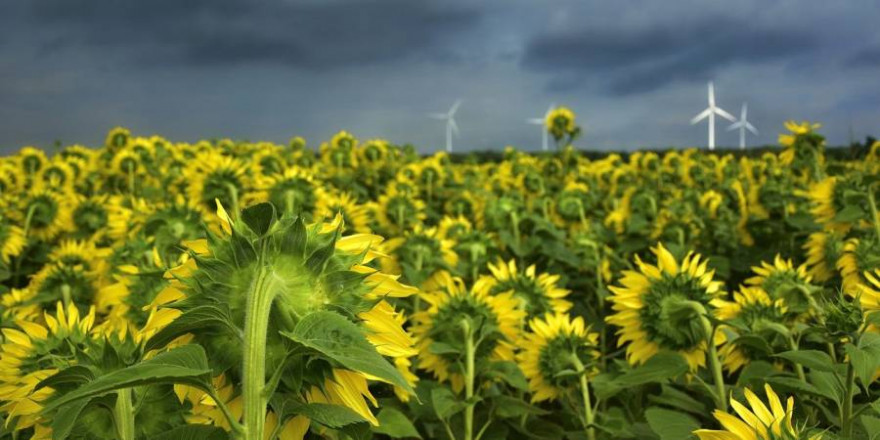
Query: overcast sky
pixel 635 71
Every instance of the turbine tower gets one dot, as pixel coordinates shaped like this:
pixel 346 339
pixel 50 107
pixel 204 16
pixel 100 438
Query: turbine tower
pixel 545 135
pixel 451 126
pixel 743 125
pixel 710 113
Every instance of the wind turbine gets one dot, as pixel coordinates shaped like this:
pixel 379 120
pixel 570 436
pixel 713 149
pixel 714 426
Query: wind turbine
pixel 545 136
pixel 743 125
pixel 710 113
pixel 451 126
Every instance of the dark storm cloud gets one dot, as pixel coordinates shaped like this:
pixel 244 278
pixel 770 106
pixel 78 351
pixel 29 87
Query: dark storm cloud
pixel 867 57
pixel 310 35
pixel 642 60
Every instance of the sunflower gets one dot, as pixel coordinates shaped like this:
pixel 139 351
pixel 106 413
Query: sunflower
pixel 355 216
pixel 31 353
pixel 560 122
pixel 267 161
pixel 822 195
pixel 573 204
pixel 398 211
pixel 441 322
pixel 781 280
pixel 11 178
pixel 750 311
pixel 73 283
pixel 374 152
pixel 216 177
pixel 56 175
pixel 340 152
pixel 538 294
pixel 31 160
pixel 420 255
pixel 90 216
pixel 46 213
pixel 305 271
pixel 823 250
pixel 12 241
pixel 293 190
pixel 547 352
pixel 117 139
pixel 859 256
pixel 757 423
pixel 655 307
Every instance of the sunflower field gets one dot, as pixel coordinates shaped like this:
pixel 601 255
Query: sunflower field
pixel 248 290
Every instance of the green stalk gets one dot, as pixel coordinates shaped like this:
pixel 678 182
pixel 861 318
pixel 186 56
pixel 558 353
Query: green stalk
pixel 874 217
pixel 123 415
pixel 715 363
pixel 846 416
pixel 256 323
pixel 589 417
pixel 797 366
pixel 233 194
pixel 514 218
pixel 470 352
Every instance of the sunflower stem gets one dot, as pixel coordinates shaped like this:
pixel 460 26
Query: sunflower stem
pixel 256 324
pixel 470 353
pixel 846 416
pixel 874 216
pixel 233 194
pixel 589 417
pixel 715 363
pixel 123 415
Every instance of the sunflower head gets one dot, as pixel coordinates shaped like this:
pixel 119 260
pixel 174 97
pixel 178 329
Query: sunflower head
pixel 758 422
pixel 45 213
pixel 454 309
pixel 117 139
pixel 538 294
pixel 420 255
pixel 658 307
pixel 355 216
pixel 560 122
pixel 555 345
pixel 752 312
pixel 298 272
pixel 216 177
pixel 782 281
pixel 823 250
pixel 293 190
pixel 398 211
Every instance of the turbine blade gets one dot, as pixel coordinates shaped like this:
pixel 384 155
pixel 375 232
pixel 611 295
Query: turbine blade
pixel 454 107
pixel 703 115
pixel 711 94
pixel 721 112
pixel 734 126
pixel 751 128
pixel 454 126
pixel 550 109
pixel 536 121
pixel 437 115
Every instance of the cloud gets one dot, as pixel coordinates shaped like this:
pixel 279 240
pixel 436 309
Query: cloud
pixel 309 35
pixel 631 61
pixel 867 57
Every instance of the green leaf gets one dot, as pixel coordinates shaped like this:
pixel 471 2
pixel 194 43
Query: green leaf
pixel 812 359
pixel 508 406
pixel 510 373
pixel 790 384
pixel 445 404
pixel 679 400
pixel 331 416
pixel 259 217
pixel 74 375
pixel 865 358
pixel 671 425
pixel 660 368
pixel 395 424
pixel 872 426
pixel 65 418
pixel 443 348
pixel 343 341
pixel 850 214
pixel 197 318
pixel 185 365
pixel 193 432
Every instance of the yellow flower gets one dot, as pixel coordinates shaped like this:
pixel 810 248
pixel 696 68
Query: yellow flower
pixel 547 351
pixel 751 307
pixel 538 294
pixel 655 307
pixel 355 216
pixel 441 323
pixel 757 423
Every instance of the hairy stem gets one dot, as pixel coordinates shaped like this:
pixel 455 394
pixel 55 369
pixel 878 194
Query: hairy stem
pixel 470 352
pixel 589 417
pixel 123 415
pixel 256 323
